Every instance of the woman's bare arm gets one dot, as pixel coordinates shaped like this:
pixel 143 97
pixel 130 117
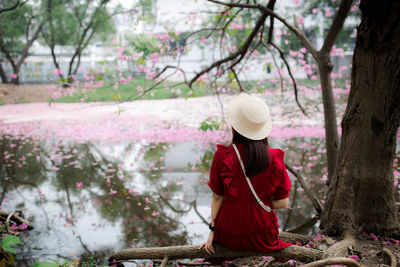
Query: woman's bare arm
pixel 280 204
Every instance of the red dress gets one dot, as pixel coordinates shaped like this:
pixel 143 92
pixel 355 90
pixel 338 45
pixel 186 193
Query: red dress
pixel 241 223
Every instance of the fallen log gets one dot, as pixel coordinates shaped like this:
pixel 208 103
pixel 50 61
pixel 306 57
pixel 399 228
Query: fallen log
pixel 14 217
pixel 192 251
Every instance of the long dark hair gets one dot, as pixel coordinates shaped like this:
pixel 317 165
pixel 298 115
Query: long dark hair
pixel 256 155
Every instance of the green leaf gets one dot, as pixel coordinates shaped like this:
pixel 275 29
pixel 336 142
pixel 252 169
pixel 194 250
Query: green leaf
pixel 45 264
pixel 66 263
pixel 10 240
pixel 11 250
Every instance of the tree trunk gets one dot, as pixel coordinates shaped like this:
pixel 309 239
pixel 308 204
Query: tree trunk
pixel 361 195
pixel 325 67
pixel 3 75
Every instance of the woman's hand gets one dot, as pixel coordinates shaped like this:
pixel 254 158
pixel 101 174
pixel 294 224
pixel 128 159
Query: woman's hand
pixel 208 244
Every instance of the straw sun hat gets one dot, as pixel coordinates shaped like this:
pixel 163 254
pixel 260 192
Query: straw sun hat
pixel 249 116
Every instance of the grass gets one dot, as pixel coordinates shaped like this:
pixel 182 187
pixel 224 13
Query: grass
pixel 129 91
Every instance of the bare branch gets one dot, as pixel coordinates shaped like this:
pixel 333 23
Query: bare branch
pixel 12 7
pixel 291 76
pixel 276 64
pixel 237 79
pixel 240 52
pixel 316 203
pixel 336 26
pixel 303 39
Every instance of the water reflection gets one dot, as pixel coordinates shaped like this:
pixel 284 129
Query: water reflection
pixel 82 200
pixel 89 200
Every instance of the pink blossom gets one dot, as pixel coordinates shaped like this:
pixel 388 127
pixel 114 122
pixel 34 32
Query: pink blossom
pixel 374 237
pixel 23 226
pixel 13 76
pixel 354 257
pixel 301 20
pixel 314 11
pixel 395 241
pixel 112 192
pixel 328 13
pixel 139 88
pixel 122 81
pixel 79 185
pixel 155 213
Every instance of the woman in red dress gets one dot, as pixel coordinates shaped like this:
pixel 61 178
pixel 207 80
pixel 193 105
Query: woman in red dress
pixel 237 220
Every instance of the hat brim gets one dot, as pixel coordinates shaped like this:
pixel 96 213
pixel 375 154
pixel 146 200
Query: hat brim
pixel 255 133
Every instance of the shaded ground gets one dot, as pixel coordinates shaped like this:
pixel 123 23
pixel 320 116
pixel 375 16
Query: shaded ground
pixel 12 94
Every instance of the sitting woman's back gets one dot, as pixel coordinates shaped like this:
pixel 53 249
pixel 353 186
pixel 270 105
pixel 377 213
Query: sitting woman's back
pixel 240 218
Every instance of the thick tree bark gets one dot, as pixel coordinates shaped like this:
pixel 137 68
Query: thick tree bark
pixel 361 194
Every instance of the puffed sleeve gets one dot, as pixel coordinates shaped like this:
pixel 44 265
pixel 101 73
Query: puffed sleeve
pixel 283 188
pixel 215 182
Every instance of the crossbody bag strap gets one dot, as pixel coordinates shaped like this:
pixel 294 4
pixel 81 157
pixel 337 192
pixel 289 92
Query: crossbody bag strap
pixel 259 201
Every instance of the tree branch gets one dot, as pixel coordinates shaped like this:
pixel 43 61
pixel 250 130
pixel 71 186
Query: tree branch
pixel 10 8
pixel 282 55
pixel 303 39
pixel 336 26
pixel 317 205
pixel 240 52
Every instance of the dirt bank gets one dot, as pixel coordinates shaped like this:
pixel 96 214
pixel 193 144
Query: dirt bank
pixel 13 94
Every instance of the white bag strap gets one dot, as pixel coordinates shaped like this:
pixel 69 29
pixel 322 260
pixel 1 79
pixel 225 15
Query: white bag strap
pixel 259 201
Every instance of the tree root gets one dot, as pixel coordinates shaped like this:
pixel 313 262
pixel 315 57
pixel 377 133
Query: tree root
pixel 333 261
pixel 342 248
pixel 183 263
pixel 393 261
pixel 14 217
pixel 293 237
pixel 164 261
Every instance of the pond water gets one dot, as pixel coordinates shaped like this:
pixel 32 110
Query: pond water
pixel 89 200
